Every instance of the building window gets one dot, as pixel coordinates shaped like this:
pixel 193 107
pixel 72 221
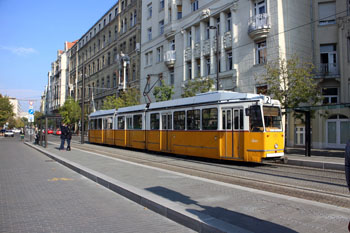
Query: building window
pixel 207 31
pixel 161 4
pixel 149 11
pixel 108 82
pixel 110 18
pixel 159 54
pixel 104 22
pixel 149 33
pixel 179 11
pixel 330 95
pixel 116 11
pixel 148 58
pixel 123 5
pixel 328 58
pixel 135 17
pixel 131 20
pixel 189 38
pixel 229 61
pixel 198 35
pixel 194 5
pixel 198 68
pixel 114 80
pixel 161 27
pixel 172 45
pixel 261 52
pixel 326 13
pixel 207 63
pixel 133 72
pixel 218 25
pixel 189 70
pixel 260 7
pixel 228 22
pixel 261 89
pixel 171 77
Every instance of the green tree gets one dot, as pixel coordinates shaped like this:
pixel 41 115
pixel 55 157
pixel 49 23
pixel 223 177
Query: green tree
pixel 127 98
pixel 192 87
pixel 163 92
pixel 37 115
pixel 6 110
pixel 291 82
pixel 70 111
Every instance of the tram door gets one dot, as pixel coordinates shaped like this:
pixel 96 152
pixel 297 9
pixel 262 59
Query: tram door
pixel 167 124
pixel 232 124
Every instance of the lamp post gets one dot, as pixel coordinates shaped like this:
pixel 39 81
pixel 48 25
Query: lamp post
pixel 125 61
pixel 82 107
pixel 217 56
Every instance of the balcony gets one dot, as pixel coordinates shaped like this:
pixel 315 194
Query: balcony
pixel 170 58
pixel 259 26
pixel 327 70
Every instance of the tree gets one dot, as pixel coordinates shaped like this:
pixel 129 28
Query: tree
pixel 163 92
pixel 192 87
pixel 70 111
pixel 37 115
pixel 127 98
pixel 6 110
pixel 291 82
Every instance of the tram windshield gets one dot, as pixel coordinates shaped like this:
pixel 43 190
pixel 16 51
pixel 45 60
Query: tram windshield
pixel 272 118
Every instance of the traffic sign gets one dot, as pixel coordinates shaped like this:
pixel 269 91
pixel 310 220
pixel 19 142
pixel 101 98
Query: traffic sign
pixel 31 118
pixel 31 111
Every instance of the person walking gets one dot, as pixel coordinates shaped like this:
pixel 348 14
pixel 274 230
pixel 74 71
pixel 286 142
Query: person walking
pixel 63 135
pixel 69 137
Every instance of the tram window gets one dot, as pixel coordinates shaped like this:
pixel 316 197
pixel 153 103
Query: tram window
pixel 105 123
pixel 226 119
pixel 155 121
pixel 255 119
pixel 193 119
pixel 109 123
pixel 137 121
pixel 92 124
pixel 179 120
pixel 241 119
pixel 210 119
pixel 272 118
pixel 167 121
pixel 129 122
pixel 99 123
pixel 121 122
pixel 236 119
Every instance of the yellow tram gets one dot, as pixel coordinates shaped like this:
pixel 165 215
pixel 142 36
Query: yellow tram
pixel 219 125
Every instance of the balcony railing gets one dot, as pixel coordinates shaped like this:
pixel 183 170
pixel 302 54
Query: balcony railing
pixel 170 58
pixel 259 26
pixel 327 70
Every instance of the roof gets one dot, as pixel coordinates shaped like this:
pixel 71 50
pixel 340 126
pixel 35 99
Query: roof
pixel 102 113
pixel 70 44
pixel 214 96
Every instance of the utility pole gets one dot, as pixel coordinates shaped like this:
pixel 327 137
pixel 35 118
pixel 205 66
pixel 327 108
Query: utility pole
pixel 82 107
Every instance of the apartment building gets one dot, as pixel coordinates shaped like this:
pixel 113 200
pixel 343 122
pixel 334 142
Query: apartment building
pixel 179 40
pixel 58 81
pixel 331 56
pixel 107 55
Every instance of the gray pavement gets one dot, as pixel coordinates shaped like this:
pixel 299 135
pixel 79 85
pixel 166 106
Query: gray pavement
pixel 202 204
pixel 38 194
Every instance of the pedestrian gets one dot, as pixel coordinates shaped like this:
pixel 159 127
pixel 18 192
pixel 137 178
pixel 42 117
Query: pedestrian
pixel 69 137
pixel 63 135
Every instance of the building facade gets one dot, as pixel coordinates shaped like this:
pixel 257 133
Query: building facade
pixel 179 40
pixel 107 56
pixel 330 33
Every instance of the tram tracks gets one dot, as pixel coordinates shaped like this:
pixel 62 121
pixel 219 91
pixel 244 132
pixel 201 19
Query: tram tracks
pixel 190 168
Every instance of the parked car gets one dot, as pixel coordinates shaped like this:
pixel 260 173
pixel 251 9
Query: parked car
pixel 49 131
pixel 16 130
pixel 57 132
pixel 9 133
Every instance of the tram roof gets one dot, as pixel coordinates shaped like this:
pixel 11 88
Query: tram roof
pixel 214 96
pixel 102 113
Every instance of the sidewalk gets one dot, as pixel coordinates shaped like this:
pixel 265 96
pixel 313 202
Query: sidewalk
pixel 320 158
pixel 200 204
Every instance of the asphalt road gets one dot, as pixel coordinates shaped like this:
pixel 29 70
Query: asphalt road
pixel 40 195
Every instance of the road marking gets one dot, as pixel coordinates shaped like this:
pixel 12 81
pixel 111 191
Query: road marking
pixel 58 179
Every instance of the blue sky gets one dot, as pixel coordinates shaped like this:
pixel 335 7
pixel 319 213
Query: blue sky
pixel 31 32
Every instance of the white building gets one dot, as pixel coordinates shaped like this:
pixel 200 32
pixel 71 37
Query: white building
pixel 178 40
pixel 16 106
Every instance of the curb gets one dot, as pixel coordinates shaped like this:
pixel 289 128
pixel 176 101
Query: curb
pixel 317 164
pixel 194 220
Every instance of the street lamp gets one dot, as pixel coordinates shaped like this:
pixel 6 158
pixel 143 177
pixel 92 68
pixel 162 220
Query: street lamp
pixel 217 56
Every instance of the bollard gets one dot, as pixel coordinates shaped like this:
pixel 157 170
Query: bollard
pixel 347 163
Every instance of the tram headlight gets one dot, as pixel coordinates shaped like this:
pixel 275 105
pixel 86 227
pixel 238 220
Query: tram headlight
pixel 276 146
